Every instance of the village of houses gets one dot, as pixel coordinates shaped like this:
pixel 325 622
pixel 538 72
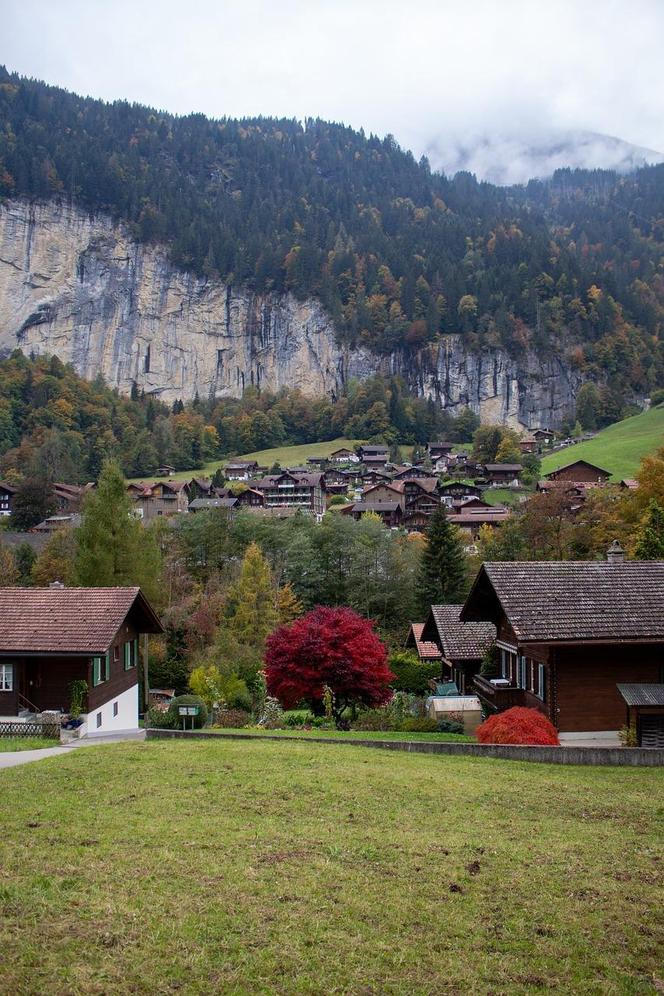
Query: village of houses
pixel 580 642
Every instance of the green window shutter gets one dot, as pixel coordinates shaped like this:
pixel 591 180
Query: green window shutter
pixel 107 675
pixel 135 651
pixel 96 668
pixel 127 656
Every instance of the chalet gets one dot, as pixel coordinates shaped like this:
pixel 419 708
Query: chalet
pixel 55 522
pixel 336 483
pixel 240 470
pixel 440 449
pixel 543 435
pixel 471 520
pixel 457 489
pixel 304 491
pixel 386 491
pixel 569 634
pixel 69 497
pixel 251 498
pixel 372 450
pixel 343 455
pixel 389 511
pixel 165 470
pixel 157 498
pixel 629 484
pixel 200 487
pixel 528 444
pixel 426 650
pixel 375 461
pixel 580 472
pixel 461 645
pixel 204 504
pixel 52 636
pixel 7 492
pixel 413 473
pixel 506 474
pixel 372 476
pixel 318 461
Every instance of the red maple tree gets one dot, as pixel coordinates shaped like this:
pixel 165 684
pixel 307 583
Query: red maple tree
pixel 518 726
pixel 333 647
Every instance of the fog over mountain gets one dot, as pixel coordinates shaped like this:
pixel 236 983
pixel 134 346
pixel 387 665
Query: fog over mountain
pixel 505 158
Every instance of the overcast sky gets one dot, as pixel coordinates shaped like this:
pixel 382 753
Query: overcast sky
pixel 426 71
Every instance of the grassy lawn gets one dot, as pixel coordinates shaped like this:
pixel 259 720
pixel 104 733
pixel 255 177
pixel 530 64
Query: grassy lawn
pixel 353 734
pixel 505 496
pixel 239 867
pixel 619 448
pixel 26 743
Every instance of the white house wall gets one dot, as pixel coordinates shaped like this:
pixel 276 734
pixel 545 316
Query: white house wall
pixel 126 719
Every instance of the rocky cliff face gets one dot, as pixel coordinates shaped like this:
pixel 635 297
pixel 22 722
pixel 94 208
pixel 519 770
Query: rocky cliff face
pixel 78 287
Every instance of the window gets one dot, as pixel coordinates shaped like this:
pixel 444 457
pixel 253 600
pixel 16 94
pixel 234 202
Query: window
pixel 115 709
pixel 98 720
pixel 6 677
pixel 130 654
pixel 541 683
pixel 116 653
pixel 100 670
pixel 522 672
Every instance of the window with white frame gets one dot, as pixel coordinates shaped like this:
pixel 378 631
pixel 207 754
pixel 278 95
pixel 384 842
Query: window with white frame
pixel 6 677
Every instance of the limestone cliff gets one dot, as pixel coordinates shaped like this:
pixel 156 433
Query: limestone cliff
pixel 78 287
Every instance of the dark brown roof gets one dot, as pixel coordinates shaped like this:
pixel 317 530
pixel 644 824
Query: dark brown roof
pixel 573 600
pixel 376 506
pixel 642 695
pixel 68 620
pixel 503 466
pixel 579 463
pixel 461 640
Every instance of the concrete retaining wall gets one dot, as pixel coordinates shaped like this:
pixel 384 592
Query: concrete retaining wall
pixel 619 756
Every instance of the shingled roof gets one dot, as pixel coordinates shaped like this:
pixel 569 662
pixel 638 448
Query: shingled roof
pixel 461 640
pixel 68 620
pixel 426 649
pixel 572 600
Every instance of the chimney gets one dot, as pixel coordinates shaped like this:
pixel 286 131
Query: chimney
pixel 615 554
pixel 56 584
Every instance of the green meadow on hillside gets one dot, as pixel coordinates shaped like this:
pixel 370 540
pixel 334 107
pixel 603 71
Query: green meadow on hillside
pixel 618 448
pixel 256 867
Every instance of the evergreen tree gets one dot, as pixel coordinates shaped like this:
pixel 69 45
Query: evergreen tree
pixel 650 544
pixel 442 576
pixel 113 547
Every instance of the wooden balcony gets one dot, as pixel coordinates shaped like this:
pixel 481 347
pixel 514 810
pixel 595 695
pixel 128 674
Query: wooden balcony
pixel 498 697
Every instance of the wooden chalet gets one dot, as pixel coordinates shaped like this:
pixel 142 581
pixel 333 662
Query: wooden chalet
pixel 569 634
pixel 580 472
pixel 159 498
pixel 426 650
pixel 69 497
pixel 343 455
pixel 52 636
pixel 413 474
pixel 390 512
pixel 470 520
pixel 629 484
pixel 251 498
pixel 528 444
pixel 506 474
pixel 453 490
pixel 462 645
pixel 7 492
pixel 165 470
pixel 288 490
pixel 240 470
pixel 200 487
pixel 372 450
pixel 375 461
pixel 439 449
pixel 336 482
pixel 543 435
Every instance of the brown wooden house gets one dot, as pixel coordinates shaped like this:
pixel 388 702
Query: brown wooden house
pixel 580 472
pixel 389 511
pixel 462 645
pixel 50 637
pixel 569 633
pixel 7 492
pixel 426 650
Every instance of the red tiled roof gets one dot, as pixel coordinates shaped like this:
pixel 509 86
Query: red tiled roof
pixel 426 649
pixel 68 620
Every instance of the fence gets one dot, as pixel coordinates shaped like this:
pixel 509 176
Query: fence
pixel 47 730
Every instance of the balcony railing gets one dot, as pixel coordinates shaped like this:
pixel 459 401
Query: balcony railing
pixel 498 697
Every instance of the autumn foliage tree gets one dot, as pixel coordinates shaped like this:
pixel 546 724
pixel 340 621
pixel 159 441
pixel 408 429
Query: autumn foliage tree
pixel 518 726
pixel 331 648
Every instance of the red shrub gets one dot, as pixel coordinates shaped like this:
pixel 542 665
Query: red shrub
pixel 518 726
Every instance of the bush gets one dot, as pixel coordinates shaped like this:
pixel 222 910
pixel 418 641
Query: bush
pixel 450 726
pixel 159 719
pixel 375 719
pixel 518 726
pixel 188 700
pixel 657 397
pixel 410 674
pixel 232 719
pixel 273 715
pixel 419 724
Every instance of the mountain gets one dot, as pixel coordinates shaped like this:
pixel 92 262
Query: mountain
pixel 510 158
pixel 186 256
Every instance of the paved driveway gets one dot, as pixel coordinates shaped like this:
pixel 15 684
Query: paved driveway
pixel 12 759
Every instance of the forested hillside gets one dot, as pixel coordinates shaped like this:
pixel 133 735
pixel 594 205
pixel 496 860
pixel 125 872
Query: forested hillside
pixel 399 256
pixel 53 424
